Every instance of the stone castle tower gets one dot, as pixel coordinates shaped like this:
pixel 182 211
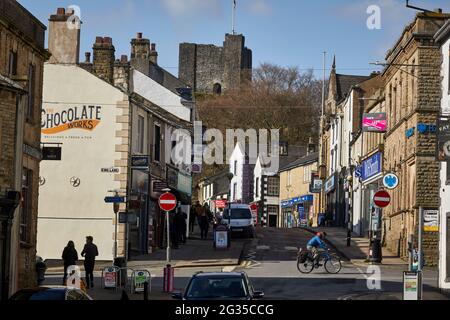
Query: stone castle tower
pixel 212 69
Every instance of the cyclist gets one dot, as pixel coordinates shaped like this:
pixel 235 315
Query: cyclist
pixel 316 246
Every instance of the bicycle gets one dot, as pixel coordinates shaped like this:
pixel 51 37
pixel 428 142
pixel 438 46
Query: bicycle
pixel 330 261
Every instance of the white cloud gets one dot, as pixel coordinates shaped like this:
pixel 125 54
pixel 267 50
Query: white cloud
pixel 259 8
pixel 180 8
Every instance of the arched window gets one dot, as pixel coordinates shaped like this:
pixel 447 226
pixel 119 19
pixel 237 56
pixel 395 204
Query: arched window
pixel 217 89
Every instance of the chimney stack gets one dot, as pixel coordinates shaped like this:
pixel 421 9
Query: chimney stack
pixel 153 54
pixel 140 53
pixel 88 57
pixel 63 38
pixel 311 146
pixel 103 63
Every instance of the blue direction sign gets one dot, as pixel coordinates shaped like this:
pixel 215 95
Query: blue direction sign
pixel 114 199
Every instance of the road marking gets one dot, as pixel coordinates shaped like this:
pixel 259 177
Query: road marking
pixel 228 269
pixel 262 248
pixel 291 248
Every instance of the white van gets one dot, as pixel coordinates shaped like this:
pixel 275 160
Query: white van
pixel 241 219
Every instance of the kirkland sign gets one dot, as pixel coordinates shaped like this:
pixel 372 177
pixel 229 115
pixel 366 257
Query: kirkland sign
pixel 372 166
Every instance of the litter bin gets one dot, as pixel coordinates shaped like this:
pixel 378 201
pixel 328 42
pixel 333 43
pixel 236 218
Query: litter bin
pixel 375 251
pixel 121 263
pixel 41 267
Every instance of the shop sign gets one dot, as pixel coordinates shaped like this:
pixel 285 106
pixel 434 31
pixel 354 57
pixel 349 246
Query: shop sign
pixel 316 184
pixel 374 122
pixel 371 166
pixel 443 138
pixel 329 184
pixel 431 220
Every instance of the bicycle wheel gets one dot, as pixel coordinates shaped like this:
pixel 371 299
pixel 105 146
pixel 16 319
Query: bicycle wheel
pixel 305 267
pixel 333 265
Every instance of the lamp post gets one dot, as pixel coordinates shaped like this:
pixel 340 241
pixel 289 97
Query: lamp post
pixel 230 177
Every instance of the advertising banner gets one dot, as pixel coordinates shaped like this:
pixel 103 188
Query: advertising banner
pixel 374 122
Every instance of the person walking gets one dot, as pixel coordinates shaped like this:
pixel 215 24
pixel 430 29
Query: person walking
pixel 70 258
pixel 192 218
pixel 181 218
pixel 203 222
pixel 89 253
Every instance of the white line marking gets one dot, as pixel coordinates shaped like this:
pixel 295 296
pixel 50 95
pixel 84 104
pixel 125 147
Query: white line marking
pixel 262 248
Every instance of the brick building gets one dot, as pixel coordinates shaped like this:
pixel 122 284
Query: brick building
pixel 213 69
pixel 22 56
pixel 412 88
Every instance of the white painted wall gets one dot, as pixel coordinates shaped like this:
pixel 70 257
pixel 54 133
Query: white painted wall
pixel 239 156
pixel 445 189
pixel 357 192
pixel 68 213
pixel 159 95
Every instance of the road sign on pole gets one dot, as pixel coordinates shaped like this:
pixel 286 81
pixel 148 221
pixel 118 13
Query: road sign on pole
pixel 382 199
pixel 167 202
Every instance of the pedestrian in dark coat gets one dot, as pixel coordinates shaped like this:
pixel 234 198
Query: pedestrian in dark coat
pixel 70 258
pixel 181 218
pixel 89 253
pixel 192 218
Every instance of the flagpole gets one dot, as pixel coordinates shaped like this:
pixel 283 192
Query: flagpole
pixel 233 12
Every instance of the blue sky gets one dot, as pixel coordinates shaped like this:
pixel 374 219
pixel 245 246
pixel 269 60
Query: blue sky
pixel 284 32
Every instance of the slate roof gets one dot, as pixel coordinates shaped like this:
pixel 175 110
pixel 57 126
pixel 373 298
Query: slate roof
pixel 313 157
pixel 345 82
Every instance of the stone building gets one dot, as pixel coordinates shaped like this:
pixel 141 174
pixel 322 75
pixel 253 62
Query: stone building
pixel 412 88
pixel 22 56
pixel 107 115
pixel 298 206
pixel 213 69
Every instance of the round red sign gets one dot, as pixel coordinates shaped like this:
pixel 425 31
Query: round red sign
pixel 382 199
pixel 167 201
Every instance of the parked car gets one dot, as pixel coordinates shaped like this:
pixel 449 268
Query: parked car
pixel 50 293
pixel 219 286
pixel 241 219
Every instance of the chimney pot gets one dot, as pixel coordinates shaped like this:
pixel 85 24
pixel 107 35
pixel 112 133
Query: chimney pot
pixel 153 46
pixel 124 58
pixel 88 57
pixel 99 40
pixel 139 35
pixel 107 40
pixel 61 11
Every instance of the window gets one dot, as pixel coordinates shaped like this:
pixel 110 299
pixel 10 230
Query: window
pixel 25 213
pixel 12 65
pixel 273 186
pixel 235 168
pixel 157 156
pixel 288 180
pixel 447 182
pixel 272 210
pixel 30 88
pixel 307 174
pixel 283 148
pixel 234 191
pixel 140 134
pixel 257 187
pixel 217 89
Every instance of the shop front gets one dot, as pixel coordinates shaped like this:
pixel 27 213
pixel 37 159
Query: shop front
pixel 296 212
pixel 331 199
pixel 371 179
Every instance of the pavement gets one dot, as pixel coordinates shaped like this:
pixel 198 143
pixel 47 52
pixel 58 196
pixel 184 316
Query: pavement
pixel 358 251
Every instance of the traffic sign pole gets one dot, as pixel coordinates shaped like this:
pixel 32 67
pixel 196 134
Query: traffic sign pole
pixel 168 238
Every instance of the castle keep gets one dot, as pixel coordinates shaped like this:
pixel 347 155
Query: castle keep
pixel 212 69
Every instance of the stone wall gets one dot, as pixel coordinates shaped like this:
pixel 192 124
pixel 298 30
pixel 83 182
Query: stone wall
pixel 203 66
pixel 7 143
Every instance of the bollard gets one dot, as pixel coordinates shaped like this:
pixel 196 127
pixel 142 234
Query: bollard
pixel 146 290
pixel 168 278
pixel 349 238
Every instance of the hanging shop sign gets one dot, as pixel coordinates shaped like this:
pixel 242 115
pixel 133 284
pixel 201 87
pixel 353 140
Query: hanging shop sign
pixel 374 122
pixel 140 163
pixel 330 184
pixel 390 181
pixel 51 153
pixel 372 166
pixel 443 138
pixel 316 184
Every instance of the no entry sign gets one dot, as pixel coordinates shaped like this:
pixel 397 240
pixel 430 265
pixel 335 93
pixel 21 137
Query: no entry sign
pixel 382 199
pixel 167 201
